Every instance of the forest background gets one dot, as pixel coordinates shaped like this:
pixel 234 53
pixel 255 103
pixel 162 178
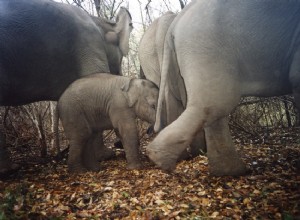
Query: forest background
pixel 265 132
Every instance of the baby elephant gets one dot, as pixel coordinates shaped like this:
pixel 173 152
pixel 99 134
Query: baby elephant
pixel 99 102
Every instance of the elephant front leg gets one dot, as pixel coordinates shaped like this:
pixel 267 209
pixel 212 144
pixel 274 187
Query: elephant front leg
pixel 222 156
pixel 92 151
pixel 129 135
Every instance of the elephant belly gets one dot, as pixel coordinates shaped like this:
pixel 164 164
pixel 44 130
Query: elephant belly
pixel 266 88
pixel 102 123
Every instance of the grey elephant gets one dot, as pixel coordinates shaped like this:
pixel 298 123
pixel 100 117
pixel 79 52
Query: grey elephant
pixel 150 55
pixel 151 47
pixel 99 102
pixel 46 45
pixel 225 50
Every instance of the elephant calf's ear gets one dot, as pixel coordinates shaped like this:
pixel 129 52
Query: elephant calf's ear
pixel 129 97
pixel 125 87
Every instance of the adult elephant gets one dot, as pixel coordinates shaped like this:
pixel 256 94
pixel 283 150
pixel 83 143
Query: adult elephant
pixel 226 50
pixel 150 55
pixel 45 45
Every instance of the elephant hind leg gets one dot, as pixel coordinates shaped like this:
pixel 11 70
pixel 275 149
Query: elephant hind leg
pixel 75 160
pixel 89 154
pixel 78 143
pixel 212 93
pixel 222 156
pixel 169 144
pixel 103 152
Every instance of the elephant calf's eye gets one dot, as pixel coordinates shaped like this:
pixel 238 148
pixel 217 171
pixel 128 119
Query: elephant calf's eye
pixel 153 106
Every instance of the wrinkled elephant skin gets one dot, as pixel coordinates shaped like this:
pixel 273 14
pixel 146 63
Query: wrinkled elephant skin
pixel 150 56
pixel 225 50
pixel 99 102
pixel 46 45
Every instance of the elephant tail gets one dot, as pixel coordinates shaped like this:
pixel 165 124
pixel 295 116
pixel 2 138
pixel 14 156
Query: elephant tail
pixel 142 74
pixel 166 62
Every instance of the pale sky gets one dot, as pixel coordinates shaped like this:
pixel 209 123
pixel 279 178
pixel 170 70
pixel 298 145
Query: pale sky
pixel 157 7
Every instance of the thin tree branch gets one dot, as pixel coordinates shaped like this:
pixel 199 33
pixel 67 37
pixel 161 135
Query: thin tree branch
pixel 182 5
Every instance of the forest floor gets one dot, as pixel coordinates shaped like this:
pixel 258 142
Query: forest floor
pixel 45 190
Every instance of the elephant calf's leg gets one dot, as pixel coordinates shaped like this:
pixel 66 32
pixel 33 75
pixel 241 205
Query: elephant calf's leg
pixel 90 154
pixel 75 162
pixel 222 156
pixel 101 151
pixel 78 141
pixel 129 136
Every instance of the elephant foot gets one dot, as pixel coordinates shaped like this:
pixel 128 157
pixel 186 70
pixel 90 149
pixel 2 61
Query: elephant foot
pixel 227 167
pixel 76 169
pixel 134 166
pixel 93 167
pixel 162 159
pixel 166 149
pixel 185 155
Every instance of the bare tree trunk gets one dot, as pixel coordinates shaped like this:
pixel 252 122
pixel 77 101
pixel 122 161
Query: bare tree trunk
pixel 56 132
pixel 147 11
pixel 52 124
pixel 36 118
pixel 182 5
pixel 5 116
pixel 97 5
pixel 42 136
pixel 142 17
pixel 287 112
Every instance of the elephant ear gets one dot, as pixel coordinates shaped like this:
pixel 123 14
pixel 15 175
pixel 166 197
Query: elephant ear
pixel 112 37
pixel 123 29
pixel 129 92
pixel 117 32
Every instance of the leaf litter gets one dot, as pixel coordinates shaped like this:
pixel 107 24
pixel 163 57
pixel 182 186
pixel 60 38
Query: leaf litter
pixel 270 191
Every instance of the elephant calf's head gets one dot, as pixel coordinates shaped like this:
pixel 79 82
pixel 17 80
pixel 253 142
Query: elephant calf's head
pixel 142 95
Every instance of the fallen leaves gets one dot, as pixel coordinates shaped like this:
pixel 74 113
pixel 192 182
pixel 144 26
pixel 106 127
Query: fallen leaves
pixel 272 191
